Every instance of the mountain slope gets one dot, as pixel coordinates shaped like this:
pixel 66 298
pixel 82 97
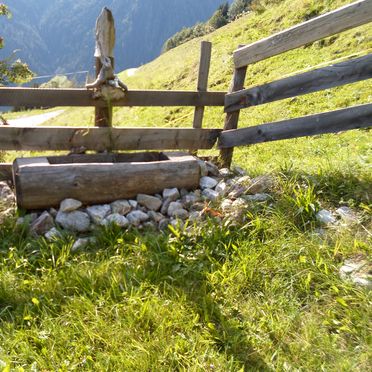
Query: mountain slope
pixel 58 36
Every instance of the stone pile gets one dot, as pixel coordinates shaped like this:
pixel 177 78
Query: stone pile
pixel 228 192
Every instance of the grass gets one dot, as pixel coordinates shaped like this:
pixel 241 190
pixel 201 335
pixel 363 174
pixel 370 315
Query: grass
pixel 262 296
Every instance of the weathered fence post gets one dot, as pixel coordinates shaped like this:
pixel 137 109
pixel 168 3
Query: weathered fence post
pixel 232 119
pixel 204 65
pixel 104 54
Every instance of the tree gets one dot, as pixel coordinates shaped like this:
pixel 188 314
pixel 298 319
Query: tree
pixel 12 70
pixel 220 17
pixel 238 7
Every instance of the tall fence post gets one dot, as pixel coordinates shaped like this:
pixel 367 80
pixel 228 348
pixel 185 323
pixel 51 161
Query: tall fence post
pixel 232 119
pixel 104 55
pixel 204 65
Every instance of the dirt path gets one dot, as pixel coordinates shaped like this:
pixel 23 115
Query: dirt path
pixel 35 119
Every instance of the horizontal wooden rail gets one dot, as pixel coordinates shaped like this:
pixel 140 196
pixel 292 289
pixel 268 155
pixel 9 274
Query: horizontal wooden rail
pixel 5 172
pixel 82 97
pixel 100 139
pixel 309 82
pixel 328 24
pixel 329 122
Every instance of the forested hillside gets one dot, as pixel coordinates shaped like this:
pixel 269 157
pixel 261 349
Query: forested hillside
pixel 57 36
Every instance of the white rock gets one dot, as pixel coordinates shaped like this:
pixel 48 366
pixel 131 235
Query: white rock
pixel 173 207
pixel 150 202
pixel 42 224
pixel 133 203
pixel 69 205
pixel 226 206
pixel 222 188
pixel 347 214
pixel 207 183
pixel 363 282
pixel 239 204
pixel 171 194
pixel 53 234
pixel 210 194
pixel 136 217
pixel 203 168
pixel 226 173
pixel 82 243
pixel 182 214
pixel 75 221
pixel 325 217
pixel 115 219
pixel 121 206
pixel 257 197
pixel 98 212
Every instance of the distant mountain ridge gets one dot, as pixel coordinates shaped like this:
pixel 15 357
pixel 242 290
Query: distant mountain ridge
pixel 57 36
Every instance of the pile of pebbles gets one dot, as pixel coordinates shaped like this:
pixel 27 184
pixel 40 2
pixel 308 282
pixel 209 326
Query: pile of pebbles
pixel 229 192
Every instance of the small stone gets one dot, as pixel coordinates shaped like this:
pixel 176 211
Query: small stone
pixel 165 206
pixel 195 216
pixel 69 205
pixel 133 203
pixel 237 192
pixel 260 184
pixel 171 194
pixel 82 243
pixel 257 197
pixel 239 204
pixel 136 217
pixel 75 221
pixel 121 206
pixel 52 234
pixel 207 183
pixel 115 219
pixel 178 224
pixel 98 212
pixel 203 168
pixel 182 214
pixel 5 191
pixel 239 171
pixel 226 206
pixel 190 199
pixel 221 188
pixel 346 270
pixel 212 169
pixel 42 224
pixel 53 212
pixel 226 173
pixel 183 192
pixel 211 194
pixel 163 224
pixel 347 214
pixel 363 282
pixel 325 217
pixel 157 217
pixel 150 225
pixel 150 202
pixel 173 207
pixel 198 206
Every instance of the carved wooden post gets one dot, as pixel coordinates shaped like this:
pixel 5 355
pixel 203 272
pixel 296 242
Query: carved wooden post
pixel 232 119
pixel 104 54
pixel 205 61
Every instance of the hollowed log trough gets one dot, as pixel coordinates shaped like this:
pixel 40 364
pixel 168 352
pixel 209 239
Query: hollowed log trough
pixel 44 182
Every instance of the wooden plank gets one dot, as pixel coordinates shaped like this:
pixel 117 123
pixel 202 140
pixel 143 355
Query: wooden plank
pixel 329 122
pixel 101 139
pixel 6 172
pixel 232 119
pixel 309 82
pixel 83 97
pixel 45 185
pixel 342 19
pixel 205 61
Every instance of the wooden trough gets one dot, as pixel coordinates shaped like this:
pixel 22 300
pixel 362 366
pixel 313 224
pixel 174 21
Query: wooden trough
pixel 101 178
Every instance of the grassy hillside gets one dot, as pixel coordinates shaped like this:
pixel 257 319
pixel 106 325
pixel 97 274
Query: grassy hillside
pixel 264 296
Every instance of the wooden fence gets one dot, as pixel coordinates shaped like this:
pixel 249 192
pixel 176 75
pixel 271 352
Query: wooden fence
pixel 116 139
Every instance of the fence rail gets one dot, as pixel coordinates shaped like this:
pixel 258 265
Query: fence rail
pixel 83 97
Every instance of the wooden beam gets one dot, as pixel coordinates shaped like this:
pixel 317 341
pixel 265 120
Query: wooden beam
pixel 101 139
pixel 6 173
pixel 205 61
pixel 82 97
pixel 309 82
pixel 232 119
pixel 329 122
pixel 342 19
